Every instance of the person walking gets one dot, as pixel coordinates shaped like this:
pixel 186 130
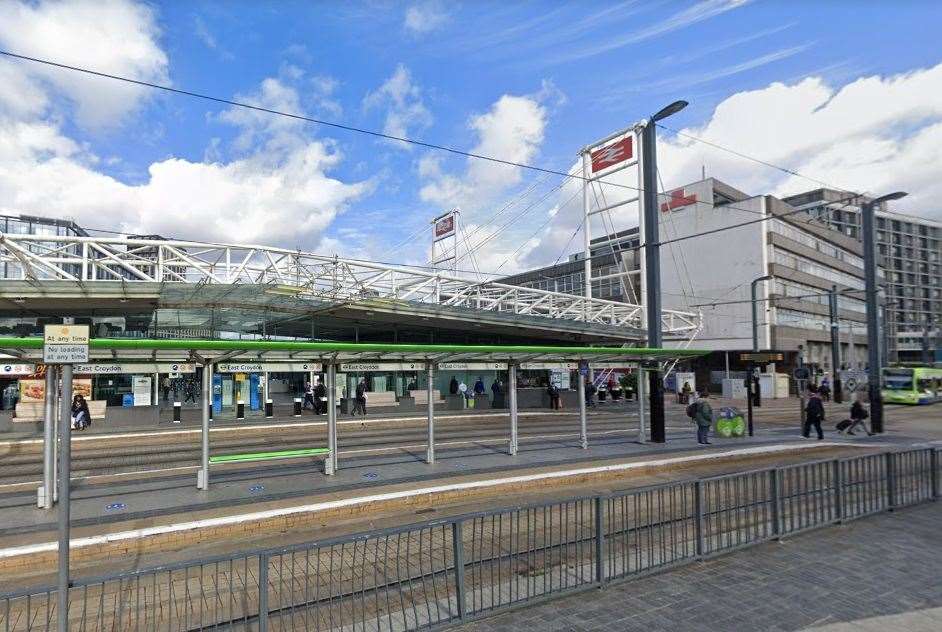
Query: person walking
pixel 165 386
pixel 189 391
pixel 814 414
pixel 590 391
pixel 309 397
pixel 453 385
pixel 703 417
pixel 320 398
pixel 857 415
pixel 479 388
pixel 359 401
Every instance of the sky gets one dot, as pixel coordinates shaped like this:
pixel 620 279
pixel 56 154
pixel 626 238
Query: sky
pixel 843 92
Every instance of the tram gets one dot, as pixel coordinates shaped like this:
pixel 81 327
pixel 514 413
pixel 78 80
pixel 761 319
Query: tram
pixel 912 385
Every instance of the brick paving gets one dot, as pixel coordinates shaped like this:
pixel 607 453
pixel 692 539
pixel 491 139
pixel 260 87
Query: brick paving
pixel 879 573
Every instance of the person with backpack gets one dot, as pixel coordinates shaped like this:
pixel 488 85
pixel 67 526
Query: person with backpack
pixel 701 413
pixel 814 414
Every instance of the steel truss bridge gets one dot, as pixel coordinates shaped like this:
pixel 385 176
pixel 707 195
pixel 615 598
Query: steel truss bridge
pixel 94 260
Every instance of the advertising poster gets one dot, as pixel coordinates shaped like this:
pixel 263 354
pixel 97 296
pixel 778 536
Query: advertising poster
pixel 34 390
pixel 141 389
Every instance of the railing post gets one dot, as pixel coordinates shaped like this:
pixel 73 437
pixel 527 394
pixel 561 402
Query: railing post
pixel 599 540
pixel 934 467
pixel 457 543
pixel 776 503
pixel 838 492
pixel 890 481
pixel 263 593
pixel 698 516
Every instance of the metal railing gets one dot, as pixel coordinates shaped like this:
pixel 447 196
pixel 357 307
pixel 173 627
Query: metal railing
pixel 454 569
pixel 101 261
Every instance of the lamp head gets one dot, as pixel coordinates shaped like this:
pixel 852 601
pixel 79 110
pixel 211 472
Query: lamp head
pixel 669 110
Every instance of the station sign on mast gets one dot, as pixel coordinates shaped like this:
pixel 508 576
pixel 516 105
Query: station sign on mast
pixel 445 239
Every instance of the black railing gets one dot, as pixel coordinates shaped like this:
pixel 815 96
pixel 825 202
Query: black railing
pixel 454 569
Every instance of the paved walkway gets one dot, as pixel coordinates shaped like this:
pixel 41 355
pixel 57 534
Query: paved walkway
pixel 877 574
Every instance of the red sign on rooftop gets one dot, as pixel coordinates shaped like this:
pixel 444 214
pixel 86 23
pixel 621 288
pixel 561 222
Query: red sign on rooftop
pixel 610 155
pixel 677 199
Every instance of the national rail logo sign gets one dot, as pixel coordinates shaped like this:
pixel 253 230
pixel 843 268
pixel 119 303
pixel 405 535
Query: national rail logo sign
pixel 611 155
pixel 445 227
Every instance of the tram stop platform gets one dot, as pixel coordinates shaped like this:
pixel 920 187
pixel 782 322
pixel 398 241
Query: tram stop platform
pixel 139 522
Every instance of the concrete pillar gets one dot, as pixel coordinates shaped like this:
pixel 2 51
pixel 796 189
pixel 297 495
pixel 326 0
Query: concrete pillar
pixel 430 449
pixel 512 379
pixel 583 435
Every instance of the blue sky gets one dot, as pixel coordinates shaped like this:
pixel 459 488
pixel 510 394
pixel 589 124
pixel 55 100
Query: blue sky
pixel 531 81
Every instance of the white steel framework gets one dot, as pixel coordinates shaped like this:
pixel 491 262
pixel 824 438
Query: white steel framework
pixel 297 273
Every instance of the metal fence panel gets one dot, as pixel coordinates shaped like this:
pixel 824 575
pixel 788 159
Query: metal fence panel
pixel 424 575
pixel 864 483
pixel 912 477
pixel 518 555
pixel 649 529
pixel 807 496
pixel 737 511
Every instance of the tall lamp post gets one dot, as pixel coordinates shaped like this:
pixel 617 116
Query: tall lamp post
pixel 873 316
pixel 652 261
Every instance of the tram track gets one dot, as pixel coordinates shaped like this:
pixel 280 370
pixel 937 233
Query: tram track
pixel 99 461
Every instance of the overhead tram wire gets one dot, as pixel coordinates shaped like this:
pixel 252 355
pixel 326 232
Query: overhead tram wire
pixel 340 126
pixel 428 145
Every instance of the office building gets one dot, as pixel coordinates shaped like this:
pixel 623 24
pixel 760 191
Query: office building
pixel 911 252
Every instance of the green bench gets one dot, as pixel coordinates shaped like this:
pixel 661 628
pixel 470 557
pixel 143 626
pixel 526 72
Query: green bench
pixel 247 457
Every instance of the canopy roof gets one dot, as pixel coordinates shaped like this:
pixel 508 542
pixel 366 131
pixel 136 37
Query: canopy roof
pixel 113 349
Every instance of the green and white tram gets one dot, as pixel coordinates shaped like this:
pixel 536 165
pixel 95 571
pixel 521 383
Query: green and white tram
pixel 912 385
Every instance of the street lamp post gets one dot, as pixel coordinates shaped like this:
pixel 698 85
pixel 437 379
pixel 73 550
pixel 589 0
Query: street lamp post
pixel 835 345
pixel 652 260
pixel 873 316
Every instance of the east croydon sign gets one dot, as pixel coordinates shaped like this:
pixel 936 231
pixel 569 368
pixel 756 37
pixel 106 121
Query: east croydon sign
pixel 272 367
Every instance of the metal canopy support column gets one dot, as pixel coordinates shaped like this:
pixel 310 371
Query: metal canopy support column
pixel 640 388
pixel 202 480
pixel 47 492
pixel 65 473
pixel 586 232
pixel 430 449
pixel 652 270
pixel 512 378
pixel 583 439
pixel 330 466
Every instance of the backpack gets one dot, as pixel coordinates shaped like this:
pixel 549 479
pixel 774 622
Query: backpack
pixel 692 410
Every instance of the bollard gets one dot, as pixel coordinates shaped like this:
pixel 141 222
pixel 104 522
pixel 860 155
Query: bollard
pixel 240 410
pixel 297 406
pixel 269 409
pixel 177 407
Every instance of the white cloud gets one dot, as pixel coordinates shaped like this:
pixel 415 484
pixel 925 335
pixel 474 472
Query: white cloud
pixel 113 36
pixel 275 189
pixel 511 130
pixel 872 135
pixel 405 111
pixel 703 10
pixel 424 17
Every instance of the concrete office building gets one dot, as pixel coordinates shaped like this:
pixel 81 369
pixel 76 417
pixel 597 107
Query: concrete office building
pixel 911 251
pixel 713 273
pixel 804 258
